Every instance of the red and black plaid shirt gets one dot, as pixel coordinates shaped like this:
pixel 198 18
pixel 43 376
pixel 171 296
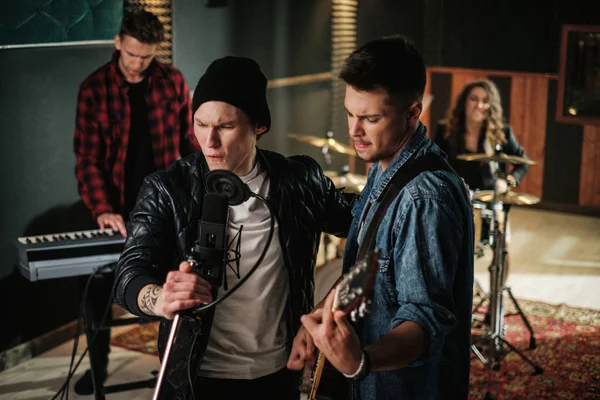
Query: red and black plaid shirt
pixel 102 130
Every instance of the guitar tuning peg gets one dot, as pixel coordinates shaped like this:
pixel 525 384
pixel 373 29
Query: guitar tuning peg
pixel 353 315
pixel 363 309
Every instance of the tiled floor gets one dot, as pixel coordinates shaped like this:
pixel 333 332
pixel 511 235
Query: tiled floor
pixel 554 258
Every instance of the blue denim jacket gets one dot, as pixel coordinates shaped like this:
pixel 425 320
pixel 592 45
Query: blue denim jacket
pixel 425 275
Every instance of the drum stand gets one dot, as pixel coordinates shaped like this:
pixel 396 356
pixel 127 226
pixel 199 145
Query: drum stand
pixel 326 151
pixel 495 334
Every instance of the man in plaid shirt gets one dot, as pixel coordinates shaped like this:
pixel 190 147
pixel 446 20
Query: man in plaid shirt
pixel 133 118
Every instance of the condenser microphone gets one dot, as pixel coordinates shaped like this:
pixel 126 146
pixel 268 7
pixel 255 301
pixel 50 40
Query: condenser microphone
pixel 209 252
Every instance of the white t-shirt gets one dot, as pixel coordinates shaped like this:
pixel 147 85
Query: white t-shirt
pixel 248 336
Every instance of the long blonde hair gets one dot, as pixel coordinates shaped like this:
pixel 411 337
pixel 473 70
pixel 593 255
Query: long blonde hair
pixel 493 124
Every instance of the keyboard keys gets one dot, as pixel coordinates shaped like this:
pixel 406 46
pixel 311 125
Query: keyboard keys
pixel 64 237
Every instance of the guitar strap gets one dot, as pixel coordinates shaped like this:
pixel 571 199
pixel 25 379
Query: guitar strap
pixel 405 174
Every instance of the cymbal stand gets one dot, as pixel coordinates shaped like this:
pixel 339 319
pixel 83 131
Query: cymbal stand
pixel 495 334
pixel 328 161
pixel 326 151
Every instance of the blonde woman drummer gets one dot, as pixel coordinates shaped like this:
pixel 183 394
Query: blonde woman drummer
pixel 476 125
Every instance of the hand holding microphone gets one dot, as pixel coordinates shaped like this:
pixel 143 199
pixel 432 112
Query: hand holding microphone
pixel 198 279
pixel 183 290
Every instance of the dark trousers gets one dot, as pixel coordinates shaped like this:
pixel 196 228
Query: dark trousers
pixel 282 385
pixel 97 305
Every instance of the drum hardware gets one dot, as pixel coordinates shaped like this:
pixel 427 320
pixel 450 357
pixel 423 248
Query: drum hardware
pixel 513 198
pixel 332 247
pixel 486 205
pixel 326 144
pixel 498 156
pixel 482 212
pixel 495 350
pixel 352 182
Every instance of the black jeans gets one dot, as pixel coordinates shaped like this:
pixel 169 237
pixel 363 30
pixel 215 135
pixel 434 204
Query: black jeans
pixel 282 385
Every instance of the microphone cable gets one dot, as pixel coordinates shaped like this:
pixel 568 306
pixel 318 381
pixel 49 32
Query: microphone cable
pixel 63 392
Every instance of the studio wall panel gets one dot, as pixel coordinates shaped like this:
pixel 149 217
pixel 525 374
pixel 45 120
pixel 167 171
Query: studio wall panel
pixel 440 89
pixel 589 191
pixel 562 166
pixel 528 120
pixel 460 79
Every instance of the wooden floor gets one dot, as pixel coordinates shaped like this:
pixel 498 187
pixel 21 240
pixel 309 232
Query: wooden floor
pixel 555 258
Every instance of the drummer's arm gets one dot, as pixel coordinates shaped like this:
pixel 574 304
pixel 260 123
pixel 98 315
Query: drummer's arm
pixel 513 148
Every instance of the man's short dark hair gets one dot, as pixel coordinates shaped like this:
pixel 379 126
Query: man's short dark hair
pixel 143 26
pixel 392 63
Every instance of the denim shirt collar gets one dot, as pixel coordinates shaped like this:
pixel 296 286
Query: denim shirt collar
pixel 413 145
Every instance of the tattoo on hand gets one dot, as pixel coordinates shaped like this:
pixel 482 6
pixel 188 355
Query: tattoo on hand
pixel 149 299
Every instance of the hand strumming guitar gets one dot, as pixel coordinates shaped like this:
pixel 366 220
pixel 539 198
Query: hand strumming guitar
pixel 303 350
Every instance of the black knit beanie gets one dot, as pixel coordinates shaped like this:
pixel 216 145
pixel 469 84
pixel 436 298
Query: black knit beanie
pixel 237 81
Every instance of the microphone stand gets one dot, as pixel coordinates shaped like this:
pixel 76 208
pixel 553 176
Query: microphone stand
pixel 163 365
pixel 172 335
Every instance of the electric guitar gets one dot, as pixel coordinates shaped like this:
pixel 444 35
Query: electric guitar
pixel 352 295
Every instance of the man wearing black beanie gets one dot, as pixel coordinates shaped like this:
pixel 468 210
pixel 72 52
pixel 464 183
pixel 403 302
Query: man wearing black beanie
pixel 251 332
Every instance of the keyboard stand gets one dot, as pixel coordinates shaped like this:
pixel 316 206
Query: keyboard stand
pixel 100 390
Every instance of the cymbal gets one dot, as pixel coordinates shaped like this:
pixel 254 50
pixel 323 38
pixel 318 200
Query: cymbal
pixel 519 199
pixel 322 142
pixel 498 157
pixel 352 182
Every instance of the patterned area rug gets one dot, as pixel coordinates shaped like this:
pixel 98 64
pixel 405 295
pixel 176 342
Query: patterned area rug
pixel 568 349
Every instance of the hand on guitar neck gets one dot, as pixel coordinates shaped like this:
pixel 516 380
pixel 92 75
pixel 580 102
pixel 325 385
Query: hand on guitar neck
pixel 334 337
pixel 328 329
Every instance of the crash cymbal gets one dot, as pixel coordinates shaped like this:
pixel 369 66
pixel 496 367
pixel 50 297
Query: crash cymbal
pixel 322 142
pixel 352 182
pixel 519 199
pixel 498 157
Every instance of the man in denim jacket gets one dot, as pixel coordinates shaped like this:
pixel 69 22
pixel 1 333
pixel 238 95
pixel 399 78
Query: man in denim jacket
pixel 415 343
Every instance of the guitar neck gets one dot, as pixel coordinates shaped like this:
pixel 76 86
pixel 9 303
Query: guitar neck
pixel 311 377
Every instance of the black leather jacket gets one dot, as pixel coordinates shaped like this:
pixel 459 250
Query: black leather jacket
pixel 163 227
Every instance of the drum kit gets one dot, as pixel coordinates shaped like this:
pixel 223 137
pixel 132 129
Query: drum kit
pixel 490 212
pixel 332 247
